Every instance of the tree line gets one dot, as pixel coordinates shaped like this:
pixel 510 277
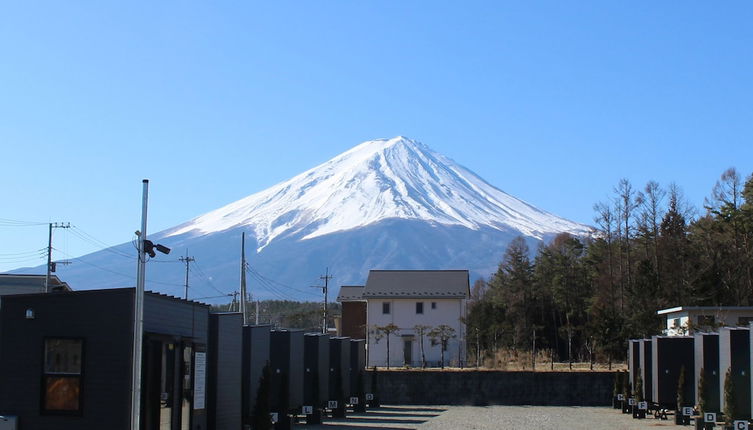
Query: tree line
pixel 583 297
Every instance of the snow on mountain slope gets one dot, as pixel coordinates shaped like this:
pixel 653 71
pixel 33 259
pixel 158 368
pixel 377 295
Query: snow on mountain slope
pixel 375 181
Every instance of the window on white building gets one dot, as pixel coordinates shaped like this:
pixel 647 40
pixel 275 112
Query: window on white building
pixel 386 308
pixel 433 305
pixel 420 307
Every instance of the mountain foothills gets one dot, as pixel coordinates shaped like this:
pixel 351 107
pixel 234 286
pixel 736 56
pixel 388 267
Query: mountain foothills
pixel 580 299
pixel 384 204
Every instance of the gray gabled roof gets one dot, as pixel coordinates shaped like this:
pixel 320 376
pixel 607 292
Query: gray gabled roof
pixel 11 283
pixel 350 293
pixel 417 284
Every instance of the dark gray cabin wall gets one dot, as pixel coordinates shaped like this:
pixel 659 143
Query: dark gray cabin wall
pixel 255 356
pixel 316 361
pixel 357 364
pixel 103 319
pixel 224 371
pixel 670 354
pixel 339 356
pixel 707 360
pixel 734 352
pixel 286 357
pixel 633 361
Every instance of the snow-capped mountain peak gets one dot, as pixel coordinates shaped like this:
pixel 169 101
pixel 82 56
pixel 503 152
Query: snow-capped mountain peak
pixel 374 181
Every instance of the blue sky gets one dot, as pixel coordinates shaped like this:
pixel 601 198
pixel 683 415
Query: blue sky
pixel 552 102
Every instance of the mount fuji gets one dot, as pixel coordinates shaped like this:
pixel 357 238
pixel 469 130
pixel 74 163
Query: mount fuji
pixel 384 204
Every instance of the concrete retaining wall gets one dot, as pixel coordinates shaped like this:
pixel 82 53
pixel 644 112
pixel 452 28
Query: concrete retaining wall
pixel 493 388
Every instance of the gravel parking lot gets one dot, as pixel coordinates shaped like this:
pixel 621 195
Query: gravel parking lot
pixel 492 417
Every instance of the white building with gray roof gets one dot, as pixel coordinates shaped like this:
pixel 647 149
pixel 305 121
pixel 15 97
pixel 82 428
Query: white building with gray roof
pixel 409 298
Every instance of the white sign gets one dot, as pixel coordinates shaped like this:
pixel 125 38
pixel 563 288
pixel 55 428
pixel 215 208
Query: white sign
pixel 308 410
pixel 709 417
pixel 643 406
pixel 631 401
pixel 740 425
pixel 369 396
pixel 273 416
pixel 687 411
pixel 332 404
pixel 354 400
pixel 620 397
pixel 200 378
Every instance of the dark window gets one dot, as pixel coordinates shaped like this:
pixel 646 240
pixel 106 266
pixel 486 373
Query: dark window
pixel 61 380
pixel 386 307
pixel 419 307
pixel 433 305
pixel 705 320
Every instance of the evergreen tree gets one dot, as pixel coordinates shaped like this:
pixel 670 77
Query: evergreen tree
pixel 730 398
pixel 261 417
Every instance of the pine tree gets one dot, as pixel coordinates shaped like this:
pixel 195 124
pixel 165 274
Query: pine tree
pixel 703 400
pixel 730 397
pixel 261 417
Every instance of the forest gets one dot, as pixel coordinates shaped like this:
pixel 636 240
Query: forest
pixel 581 299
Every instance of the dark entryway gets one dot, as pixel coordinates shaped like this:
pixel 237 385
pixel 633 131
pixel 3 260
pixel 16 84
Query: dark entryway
pixel 168 384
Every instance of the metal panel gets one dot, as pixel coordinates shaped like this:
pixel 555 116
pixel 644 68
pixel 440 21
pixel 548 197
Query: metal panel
pixel 633 360
pixel 225 368
pixel 734 353
pixel 670 355
pixel 286 358
pixel 339 358
pixel 255 356
pixel 357 363
pixel 316 362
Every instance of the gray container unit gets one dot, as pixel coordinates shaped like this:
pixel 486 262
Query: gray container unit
pixel 707 360
pixel 357 366
pixel 646 369
pixel 634 359
pixel 669 355
pixel 224 400
pixel 89 386
pixel 286 359
pixel 316 365
pixel 339 364
pixel 255 356
pixel 734 354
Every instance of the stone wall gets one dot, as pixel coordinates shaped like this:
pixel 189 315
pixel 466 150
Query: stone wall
pixel 493 388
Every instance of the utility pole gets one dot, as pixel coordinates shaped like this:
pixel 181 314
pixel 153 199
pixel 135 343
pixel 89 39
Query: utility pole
pixel 188 261
pixel 243 278
pixel 49 253
pixel 138 327
pixel 257 312
pixel 326 277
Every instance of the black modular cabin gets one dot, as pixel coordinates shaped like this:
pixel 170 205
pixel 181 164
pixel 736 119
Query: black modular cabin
pixel 357 369
pixel 339 370
pixel 286 360
pixel 707 361
pixel 225 368
pixel 634 360
pixel 646 369
pixel 316 369
pixel 670 354
pixel 66 360
pixel 255 357
pixel 734 354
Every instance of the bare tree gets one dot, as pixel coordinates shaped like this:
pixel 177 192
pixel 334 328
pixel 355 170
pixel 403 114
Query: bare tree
pixel 422 331
pixel 388 330
pixel 442 334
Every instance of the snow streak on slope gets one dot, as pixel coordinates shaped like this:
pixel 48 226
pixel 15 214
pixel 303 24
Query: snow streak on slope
pixel 374 181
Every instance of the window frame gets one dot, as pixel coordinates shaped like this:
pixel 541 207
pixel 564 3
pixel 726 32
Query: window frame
pixel 386 307
pixel 44 375
pixel 419 308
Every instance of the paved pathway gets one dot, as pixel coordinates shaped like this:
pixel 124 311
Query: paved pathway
pixel 491 418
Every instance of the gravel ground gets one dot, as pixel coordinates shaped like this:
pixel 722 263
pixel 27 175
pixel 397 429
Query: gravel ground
pixel 491 417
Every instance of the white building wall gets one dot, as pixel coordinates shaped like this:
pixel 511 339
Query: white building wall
pixel 678 323
pixel 403 314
